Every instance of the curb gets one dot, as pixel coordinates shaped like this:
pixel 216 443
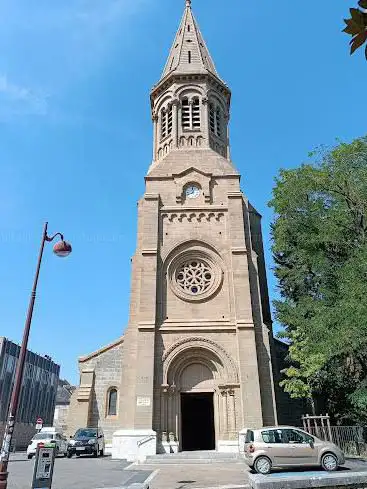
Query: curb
pixel 230 486
pixel 132 486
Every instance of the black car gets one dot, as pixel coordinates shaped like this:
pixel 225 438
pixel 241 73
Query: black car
pixel 87 441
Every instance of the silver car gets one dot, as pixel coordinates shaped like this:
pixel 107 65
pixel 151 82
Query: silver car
pixel 286 446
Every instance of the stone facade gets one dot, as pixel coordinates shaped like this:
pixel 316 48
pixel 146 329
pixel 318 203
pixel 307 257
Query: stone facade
pixel 99 373
pixel 62 404
pixel 197 362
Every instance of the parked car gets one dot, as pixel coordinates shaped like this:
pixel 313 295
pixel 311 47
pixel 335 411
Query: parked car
pixel 87 441
pixel 48 435
pixel 287 446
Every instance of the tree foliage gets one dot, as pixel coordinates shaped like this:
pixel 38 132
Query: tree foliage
pixel 320 251
pixel 356 26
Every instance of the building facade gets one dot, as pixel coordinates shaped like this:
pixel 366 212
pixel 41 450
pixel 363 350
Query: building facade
pixel 197 362
pixel 62 404
pixel 38 392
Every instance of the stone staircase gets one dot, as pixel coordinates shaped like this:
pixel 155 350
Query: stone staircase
pixel 197 457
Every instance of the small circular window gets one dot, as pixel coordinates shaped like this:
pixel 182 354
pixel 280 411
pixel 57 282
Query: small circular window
pixel 194 275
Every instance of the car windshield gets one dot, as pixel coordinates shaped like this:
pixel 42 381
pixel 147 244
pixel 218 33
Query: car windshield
pixel 43 436
pixel 86 433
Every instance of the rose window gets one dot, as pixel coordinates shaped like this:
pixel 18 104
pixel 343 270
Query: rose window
pixel 194 277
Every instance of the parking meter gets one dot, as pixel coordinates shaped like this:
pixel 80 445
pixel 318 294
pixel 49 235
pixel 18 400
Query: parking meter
pixel 44 466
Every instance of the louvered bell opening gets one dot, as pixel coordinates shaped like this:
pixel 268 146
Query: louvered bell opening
pixel 163 124
pixel 185 114
pixel 169 122
pixel 196 114
pixel 212 119
pixel 219 122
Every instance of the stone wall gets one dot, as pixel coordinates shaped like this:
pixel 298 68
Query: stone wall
pixel 60 417
pixel 106 365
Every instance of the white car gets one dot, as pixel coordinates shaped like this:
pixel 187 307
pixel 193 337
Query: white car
pixel 48 437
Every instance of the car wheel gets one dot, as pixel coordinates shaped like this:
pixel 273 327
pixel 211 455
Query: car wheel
pixel 77 454
pixel 30 456
pixel 329 462
pixel 262 465
pixel 69 455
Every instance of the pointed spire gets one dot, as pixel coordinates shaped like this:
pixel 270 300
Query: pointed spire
pixel 189 53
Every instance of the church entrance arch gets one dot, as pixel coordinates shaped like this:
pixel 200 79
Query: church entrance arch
pixel 195 409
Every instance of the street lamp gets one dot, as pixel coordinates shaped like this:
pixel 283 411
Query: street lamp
pixel 61 249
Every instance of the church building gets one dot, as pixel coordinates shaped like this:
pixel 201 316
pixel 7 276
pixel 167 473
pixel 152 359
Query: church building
pixel 197 363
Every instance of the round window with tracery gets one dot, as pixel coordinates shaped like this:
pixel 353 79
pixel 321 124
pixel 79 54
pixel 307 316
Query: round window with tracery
pixel 194 276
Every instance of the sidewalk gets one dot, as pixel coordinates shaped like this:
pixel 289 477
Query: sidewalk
pixel 197 476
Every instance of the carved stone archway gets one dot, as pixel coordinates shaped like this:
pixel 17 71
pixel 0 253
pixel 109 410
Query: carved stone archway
pixel 200 346
pixel 212 370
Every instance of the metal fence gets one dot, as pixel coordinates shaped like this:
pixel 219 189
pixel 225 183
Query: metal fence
pixel 351 439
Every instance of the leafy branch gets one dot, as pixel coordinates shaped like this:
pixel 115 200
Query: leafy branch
pixel 357 26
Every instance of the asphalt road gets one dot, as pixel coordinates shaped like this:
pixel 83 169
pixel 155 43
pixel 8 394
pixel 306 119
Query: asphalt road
pixel 92 473
pixel 78 473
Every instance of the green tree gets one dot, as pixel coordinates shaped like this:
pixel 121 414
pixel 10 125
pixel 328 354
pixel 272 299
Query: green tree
pixel 320 251
pixel 356 26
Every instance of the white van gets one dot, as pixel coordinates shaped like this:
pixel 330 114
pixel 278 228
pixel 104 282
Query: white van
pixel 48 435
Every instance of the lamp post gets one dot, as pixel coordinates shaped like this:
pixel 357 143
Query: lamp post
pixel 61 248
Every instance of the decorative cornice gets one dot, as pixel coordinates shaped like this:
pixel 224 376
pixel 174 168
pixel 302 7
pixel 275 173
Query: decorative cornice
pixel 193 216
pixel 241 250
pixel 235 195
pixel 245 324
pixel 154 197
pixel 149 251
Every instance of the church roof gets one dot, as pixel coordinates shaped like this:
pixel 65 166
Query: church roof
pixel 189 53
pixel 102 350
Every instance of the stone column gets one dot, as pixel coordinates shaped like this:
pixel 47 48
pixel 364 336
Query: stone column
pixel 164 395
pixel 224 413
pixel 171 409
pixel 205 121
pixel 226 127
pixel 155 136
pixel 231 412
pixel 175 105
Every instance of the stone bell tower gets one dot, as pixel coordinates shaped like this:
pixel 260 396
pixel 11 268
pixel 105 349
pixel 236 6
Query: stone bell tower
pixel 197 353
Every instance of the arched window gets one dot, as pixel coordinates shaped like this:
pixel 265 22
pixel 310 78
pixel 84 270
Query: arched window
pixel 112 402
pixel 190 114
pixel 166 122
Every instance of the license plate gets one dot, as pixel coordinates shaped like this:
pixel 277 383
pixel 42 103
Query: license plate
pixel 80 449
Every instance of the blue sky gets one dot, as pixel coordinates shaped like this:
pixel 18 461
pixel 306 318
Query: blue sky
pixel 76 136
